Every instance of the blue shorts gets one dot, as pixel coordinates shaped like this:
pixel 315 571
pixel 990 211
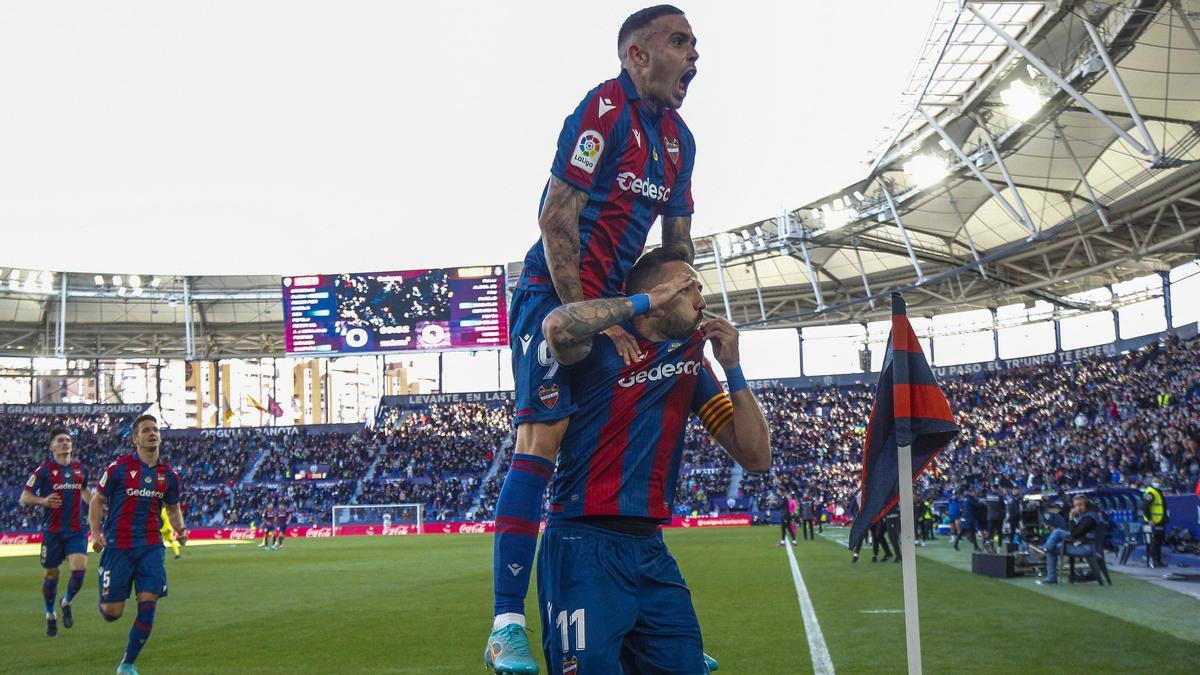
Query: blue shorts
pixel 543 394
pixel 614 603
pixel 121 568
pixel 56 546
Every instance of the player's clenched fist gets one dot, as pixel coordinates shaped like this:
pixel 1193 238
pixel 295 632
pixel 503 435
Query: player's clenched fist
pixel 181 536
pixel 724 338
pixel 98 542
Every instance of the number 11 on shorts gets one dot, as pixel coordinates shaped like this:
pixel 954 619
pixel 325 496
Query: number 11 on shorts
pixel 563 623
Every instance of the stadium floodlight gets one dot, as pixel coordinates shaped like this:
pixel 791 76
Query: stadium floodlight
pixel 121 291
pixel 98 279
pixel 14 280
pixel 837 218
pixel 155 282
pixel 117 280
pixel 926 170
pixel 860 196
pixel 1022 100
pixel 135 281
pixel 136 291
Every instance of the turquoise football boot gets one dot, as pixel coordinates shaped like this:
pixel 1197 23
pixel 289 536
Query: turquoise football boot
pixel 127 669
pixel 712 664
pixel 508 652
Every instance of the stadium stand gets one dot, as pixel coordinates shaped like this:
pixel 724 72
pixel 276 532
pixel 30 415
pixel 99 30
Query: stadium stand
pixel 1094 423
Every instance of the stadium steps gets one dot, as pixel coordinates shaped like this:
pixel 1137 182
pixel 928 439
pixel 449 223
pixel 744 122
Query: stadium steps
pixel 735 480
pixel 502 453
pixel 262 456
pixel 370 475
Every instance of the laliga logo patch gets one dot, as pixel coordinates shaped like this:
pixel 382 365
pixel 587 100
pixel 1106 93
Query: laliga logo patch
pixel 549 395
pixel 587 150
pixel 570 665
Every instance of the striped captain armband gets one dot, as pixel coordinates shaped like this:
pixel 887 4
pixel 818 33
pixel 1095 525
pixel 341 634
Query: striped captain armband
pixel 716 413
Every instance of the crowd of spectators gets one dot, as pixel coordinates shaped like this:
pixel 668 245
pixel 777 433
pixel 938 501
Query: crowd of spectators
pixel 346 455
pixel 1129 420
pixel 1126 421
pixel 25 442
pixel 446 440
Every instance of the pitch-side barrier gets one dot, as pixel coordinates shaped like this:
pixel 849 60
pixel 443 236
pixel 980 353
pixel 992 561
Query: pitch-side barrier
pixel 401 529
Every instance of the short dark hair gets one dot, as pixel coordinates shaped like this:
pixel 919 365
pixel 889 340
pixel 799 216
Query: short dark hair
pixel 55 432
pixel 642 275
pixel 140 419
pixel 642 18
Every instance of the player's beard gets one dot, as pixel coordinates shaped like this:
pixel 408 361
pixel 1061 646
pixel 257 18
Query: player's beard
pixel 678 327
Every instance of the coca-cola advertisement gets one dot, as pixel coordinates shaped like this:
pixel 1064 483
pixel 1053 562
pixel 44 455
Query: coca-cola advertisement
pixel 436 527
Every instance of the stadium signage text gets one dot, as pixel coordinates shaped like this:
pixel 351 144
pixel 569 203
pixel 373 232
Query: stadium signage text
pixel 73 408
pixel 1051 359
pixel 420 400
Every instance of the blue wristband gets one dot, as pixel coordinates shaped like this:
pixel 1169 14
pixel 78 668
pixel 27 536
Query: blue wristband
pixel 737 381
pixel 641 303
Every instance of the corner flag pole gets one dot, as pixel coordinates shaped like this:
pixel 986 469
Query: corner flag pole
pixel 908 561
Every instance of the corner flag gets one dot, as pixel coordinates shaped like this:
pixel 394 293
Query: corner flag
pixel 910 410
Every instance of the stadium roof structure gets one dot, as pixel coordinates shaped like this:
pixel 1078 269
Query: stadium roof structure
pixel 1046 148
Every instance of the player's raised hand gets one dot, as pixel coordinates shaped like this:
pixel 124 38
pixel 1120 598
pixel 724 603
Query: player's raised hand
pixel 53 501
pixel 724 338
pixel 665 292
pixel 98 542
pixel 625 343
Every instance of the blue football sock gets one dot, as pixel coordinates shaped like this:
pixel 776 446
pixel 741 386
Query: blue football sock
pixel 141 630
pixel 49 591
pixel 518 516
pixel 74 584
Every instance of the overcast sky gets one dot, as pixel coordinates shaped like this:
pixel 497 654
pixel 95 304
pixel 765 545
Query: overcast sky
pixel 222 137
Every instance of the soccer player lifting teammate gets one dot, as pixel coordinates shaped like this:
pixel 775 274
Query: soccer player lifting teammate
pixel 59 486
pixel 618 471
pixel 134 489
pixel 624 158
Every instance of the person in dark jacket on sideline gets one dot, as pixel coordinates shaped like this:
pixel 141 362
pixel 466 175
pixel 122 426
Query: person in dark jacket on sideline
pixel 1081 540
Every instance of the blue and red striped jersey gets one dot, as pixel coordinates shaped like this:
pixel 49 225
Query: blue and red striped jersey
pixel 68 483
pixel 136 493
pixel 634 165
pixel 621 453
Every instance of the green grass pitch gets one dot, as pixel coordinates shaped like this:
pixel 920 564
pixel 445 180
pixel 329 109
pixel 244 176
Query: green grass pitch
pixel 423 605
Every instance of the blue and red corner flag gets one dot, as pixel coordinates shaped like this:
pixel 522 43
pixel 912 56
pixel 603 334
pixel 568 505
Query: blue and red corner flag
pixel 910 410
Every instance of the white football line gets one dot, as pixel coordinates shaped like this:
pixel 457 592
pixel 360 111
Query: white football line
pixel 822 665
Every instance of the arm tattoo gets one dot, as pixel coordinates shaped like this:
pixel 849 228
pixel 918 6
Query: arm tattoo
pixel 577 323
pixel 560 238
pixel 678 229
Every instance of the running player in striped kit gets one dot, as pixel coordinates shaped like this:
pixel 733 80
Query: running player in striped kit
pixel 612 596
pixel 134 489
pixel 59 486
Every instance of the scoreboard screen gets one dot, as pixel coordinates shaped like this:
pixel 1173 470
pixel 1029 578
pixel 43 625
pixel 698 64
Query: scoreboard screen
pixel 430 309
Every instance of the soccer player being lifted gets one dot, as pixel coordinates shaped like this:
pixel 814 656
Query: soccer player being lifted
pixel 134 489
pixel 59 486
pixel 618 471
pixel 624 158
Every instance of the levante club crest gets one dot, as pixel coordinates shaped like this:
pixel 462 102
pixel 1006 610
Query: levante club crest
pixel 549 395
